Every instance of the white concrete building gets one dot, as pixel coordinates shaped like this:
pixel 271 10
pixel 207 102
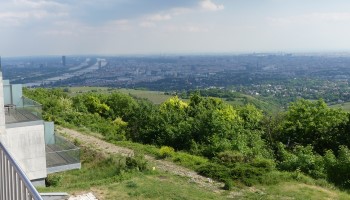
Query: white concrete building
pixel 30 140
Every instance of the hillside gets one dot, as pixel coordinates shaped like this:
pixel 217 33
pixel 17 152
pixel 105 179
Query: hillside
pixel 158 97
pixel 242 147
pixel 344 106
pixel 167 180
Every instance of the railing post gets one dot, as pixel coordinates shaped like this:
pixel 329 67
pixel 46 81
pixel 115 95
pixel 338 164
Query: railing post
pixel 2 175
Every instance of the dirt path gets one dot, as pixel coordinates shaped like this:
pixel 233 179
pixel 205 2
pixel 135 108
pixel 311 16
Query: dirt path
pixel 162 165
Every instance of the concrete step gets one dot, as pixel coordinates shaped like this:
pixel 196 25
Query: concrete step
pixel 88 196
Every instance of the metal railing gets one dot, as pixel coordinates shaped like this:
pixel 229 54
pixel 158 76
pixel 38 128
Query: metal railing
pixel 14 184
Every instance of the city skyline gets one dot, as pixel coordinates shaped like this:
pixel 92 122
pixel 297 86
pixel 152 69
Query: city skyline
pixel 62 27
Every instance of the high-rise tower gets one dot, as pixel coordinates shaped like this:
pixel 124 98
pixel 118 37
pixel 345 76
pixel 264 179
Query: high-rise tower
pixel 64 60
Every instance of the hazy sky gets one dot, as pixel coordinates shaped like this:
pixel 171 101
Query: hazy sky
pixel 57 27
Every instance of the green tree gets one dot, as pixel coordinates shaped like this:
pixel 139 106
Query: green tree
pixel 251 116
pixel 121 105
pixel 173 126
pixel 313 123
pixel 92 103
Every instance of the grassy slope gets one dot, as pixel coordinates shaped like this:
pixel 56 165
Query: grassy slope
pixel 297 191
pixel 98 174
pixel 345 106
pixel 154 96
pixel 263 104
pixel 158 97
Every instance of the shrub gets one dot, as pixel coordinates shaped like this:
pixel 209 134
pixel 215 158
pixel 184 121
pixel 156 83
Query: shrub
pixel 303 159
pixel 76 142
pixel 228 184
pixel 131 184
pixel 215 171
pixel 230 157
pixel 339 171
pixel 166 151
pixel 137 162
pixel 52 180
pixel 263 163
pixel 246 171
pixel 188 160
pixel 275 177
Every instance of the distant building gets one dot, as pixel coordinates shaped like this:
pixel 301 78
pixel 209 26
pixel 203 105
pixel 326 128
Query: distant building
pixel 64 60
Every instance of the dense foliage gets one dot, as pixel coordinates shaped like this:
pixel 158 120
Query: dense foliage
pixel 241 142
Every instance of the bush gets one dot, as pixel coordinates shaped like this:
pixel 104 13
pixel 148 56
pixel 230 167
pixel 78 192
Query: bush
pixel 52 180
pixel 303 159
pixel 228 184
pixel 188 160
pixel 263 163
pixel 339 171
pixel 137 162
pixel 131 184
pixel 166 151
pixel 215 171
pixel 275 177
pixel 246 171
pixel 230 157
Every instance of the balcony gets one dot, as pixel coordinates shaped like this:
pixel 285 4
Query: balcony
pixel 61 155
pixel 24 110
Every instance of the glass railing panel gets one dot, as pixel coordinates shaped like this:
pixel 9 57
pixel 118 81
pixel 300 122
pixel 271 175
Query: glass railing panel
pixel 62 152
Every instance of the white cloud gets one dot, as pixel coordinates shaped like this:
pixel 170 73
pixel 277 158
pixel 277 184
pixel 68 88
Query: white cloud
pixel 160 17
pixel 152 20
pixel 311 18
pixel 59 33
pixel 180 11
pixel 210 6
pixel 186 28
pixel 17 18
pixel 147 24
pixel 121 22
pixel 195 29
pixel 18 12
pixel 37 4
pixel 116 25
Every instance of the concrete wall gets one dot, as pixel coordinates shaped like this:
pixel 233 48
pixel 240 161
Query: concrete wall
pixel 2 111
pixel 27 145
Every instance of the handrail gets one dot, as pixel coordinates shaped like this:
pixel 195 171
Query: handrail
pixel 14 184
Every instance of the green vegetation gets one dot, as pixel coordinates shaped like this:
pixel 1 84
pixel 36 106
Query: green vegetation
pixel 240 146
pixel 153 96
pixel 112 177
pixel 344 106
pixel 268 105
